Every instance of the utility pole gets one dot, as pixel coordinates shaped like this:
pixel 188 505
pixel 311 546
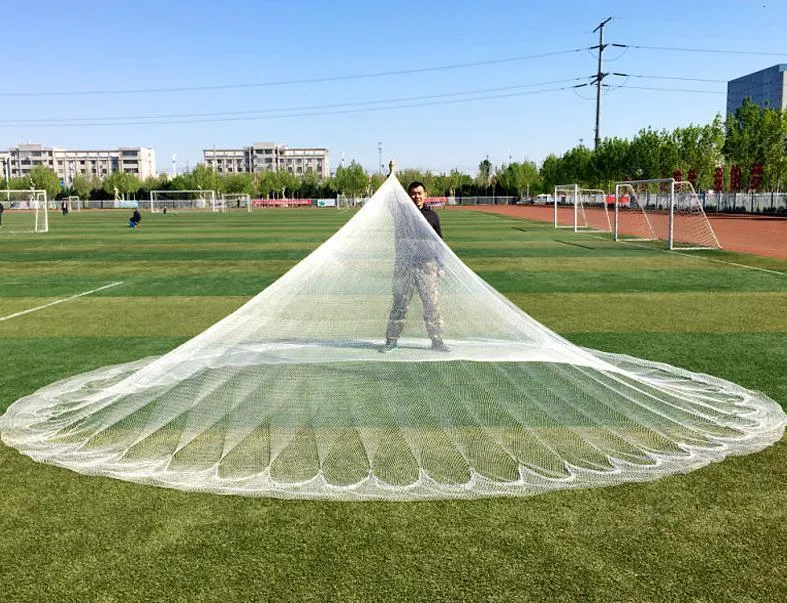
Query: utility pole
pixel 599 76
pixel 380 156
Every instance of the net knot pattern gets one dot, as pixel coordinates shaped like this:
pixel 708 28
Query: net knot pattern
pixel 290 397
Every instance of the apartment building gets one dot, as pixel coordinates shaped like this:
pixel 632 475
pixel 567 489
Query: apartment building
pixel 766 88
pixel 67 163
pixel 268 157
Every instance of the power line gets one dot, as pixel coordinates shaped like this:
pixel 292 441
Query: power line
pixel 337 78
pixel 62 120
pixel 305 114
pixel 704 50
pixel 671 77
pixel 667 89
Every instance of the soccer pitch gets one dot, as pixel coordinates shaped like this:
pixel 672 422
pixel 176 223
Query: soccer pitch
pixel 92 292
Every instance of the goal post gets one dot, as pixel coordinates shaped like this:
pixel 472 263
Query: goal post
pixel 587 208
pixel 593 211
pixel 662 209
pixel 183 200
pixel 565 194
pixel 235 201
pixel 25 210
pixel 74 203
pixel 689 227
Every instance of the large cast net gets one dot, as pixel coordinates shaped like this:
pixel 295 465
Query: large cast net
pixel 291 397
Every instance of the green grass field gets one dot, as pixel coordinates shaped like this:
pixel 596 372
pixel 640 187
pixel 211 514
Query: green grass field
pixel 713 535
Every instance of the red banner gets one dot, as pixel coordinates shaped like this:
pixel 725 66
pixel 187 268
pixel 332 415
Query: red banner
pixel 756 176
pixel 718 180
pixel 735 178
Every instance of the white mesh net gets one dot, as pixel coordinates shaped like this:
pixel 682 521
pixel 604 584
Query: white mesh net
pixel 690 226
pixel 290 396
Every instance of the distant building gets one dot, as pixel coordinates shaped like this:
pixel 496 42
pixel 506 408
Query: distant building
pixel 66 163
pixel 268 157
pixel 766 88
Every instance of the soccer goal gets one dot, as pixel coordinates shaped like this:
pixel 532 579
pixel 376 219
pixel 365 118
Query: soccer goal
pixel 182 200
pixel 662 209
pixel 581 208
pixel 74 203
pixel 235 202
pixel 24 211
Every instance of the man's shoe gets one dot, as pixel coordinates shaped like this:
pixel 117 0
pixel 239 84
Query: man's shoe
pixel 389 346
pixel 439 346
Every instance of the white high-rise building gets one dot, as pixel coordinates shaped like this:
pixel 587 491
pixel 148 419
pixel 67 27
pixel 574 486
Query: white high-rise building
pixel 67 163
pixel 268 157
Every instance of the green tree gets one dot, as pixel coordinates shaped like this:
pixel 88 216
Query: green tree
pixel 43 177
pixel 288 183
pixel 126 184
pixel 377 181
pixel 351 180
pixel 550 173
pixel 774 152
pixel 205 178
pixel 652 154
pixel 518 178
pixel 83 185
pixel 242 183
pixel 700 148
pixel 743 141
pixel 310 184
pixel 484 177
pixel 609 163
pixel 265 183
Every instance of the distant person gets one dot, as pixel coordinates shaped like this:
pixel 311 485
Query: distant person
pixel 417 267
pixel 64 206
pixel 135 219
pixel 2 209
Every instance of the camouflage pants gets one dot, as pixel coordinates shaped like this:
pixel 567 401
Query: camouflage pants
pixel 408 279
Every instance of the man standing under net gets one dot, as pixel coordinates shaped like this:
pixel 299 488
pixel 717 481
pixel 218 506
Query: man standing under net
pixel 417 267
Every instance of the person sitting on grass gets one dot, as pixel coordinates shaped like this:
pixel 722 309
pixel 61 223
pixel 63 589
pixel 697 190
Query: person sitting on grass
pixel 135 219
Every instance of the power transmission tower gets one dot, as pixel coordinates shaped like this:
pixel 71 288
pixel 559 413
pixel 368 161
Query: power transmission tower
pixel 600 75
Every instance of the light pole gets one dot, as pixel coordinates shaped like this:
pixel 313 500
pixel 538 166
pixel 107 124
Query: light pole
pixel 380 156
pixel 6 163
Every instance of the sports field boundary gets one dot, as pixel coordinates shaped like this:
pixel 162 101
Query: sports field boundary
pixel 59 301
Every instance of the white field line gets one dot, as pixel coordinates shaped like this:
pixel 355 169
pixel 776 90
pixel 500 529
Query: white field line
pixel 60 301
pixel 695 257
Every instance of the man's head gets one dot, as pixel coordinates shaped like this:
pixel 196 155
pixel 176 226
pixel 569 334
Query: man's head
pixel 417 192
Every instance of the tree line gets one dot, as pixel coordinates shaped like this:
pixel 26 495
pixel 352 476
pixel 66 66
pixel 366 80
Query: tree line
pixel 747 151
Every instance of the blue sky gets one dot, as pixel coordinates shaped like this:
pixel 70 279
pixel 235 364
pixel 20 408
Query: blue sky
pixel 253 46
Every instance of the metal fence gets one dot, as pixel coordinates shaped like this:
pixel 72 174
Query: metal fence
pixel 755 203
pixel 501 200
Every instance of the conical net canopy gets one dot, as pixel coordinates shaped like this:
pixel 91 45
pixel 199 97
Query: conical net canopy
pixel 290 396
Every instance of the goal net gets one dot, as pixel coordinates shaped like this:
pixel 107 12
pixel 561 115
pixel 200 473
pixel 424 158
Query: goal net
pixel 381 367
pixel 689 226
pixel 183 200
pixel 24 211
pixel 581 208
pixel 74 203
pixel 565 205
pixel 662 209
pixel 235 202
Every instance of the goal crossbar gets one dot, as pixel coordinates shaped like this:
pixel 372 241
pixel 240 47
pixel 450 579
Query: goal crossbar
pixel 588 208
pixel 672 213
pixel 27 200
pixel 183 199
